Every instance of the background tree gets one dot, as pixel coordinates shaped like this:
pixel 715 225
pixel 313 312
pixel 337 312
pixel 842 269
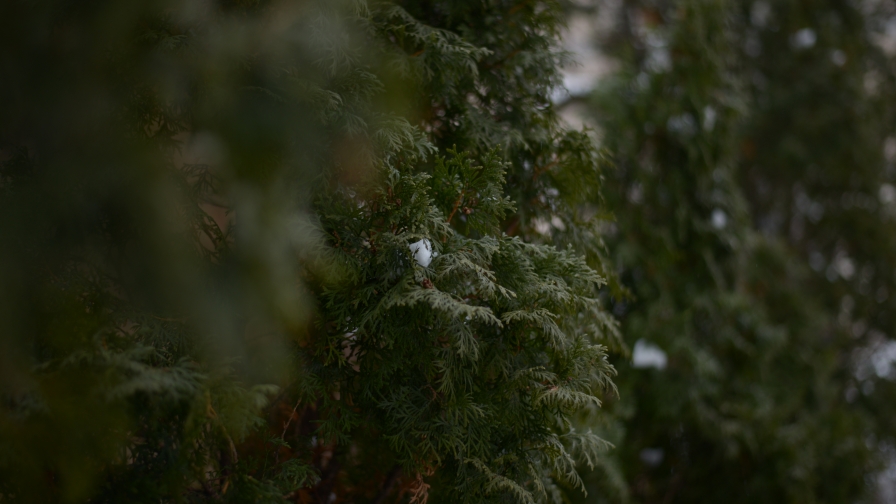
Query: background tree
pixel 753 201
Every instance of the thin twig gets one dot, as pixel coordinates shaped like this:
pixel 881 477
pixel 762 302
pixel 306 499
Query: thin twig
pixel 460 198
pixel 388 485
pixel 539 170
pixel 503 60
pixel 288 420
pixel 518 6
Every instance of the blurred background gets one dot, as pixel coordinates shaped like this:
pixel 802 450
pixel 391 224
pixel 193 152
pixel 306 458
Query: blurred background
pixel 754 150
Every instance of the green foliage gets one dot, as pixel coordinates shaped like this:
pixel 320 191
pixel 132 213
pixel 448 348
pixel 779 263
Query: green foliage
pixel 742 147
pixel 207 291
pixel 473 363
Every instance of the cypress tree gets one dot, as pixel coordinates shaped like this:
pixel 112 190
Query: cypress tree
pixel 283 252
pixel 752 195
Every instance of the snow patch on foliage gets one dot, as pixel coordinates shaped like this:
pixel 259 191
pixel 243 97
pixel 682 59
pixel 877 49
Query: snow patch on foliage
pixel 652 456
pixel 422 251
pixel 719 218
pixel 804 39
pixel 648 355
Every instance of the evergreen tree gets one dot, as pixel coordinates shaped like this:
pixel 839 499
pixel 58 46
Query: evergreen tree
pixel 266 252
pixel 752 198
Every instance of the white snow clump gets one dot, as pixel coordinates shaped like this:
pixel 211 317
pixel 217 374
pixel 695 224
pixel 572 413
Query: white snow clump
pixel 422 251
pixel 648 355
